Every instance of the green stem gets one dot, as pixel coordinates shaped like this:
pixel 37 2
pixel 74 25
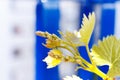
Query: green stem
pixel 90 57
pixel 85 62
pixel 93 68
pixel 72 46
pixel 99 72
pixel 64 47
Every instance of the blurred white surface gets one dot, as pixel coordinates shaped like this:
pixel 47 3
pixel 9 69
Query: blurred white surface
pixel 17 40
pixel 117 19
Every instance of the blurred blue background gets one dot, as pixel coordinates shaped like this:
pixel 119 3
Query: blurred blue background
pixel 21 52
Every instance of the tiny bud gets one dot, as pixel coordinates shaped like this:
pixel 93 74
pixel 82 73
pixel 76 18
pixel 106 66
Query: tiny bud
pixel 39 33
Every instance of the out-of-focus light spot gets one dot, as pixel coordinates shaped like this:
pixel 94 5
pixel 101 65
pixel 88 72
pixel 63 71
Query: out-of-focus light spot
pixel 43 1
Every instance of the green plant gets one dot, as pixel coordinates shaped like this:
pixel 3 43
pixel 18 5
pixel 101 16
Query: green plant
pixel 107 52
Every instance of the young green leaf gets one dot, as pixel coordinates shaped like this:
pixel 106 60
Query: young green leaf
pixel 87 27
pixel 107 52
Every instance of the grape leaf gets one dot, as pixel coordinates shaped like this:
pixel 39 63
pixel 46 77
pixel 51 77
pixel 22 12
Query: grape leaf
pixel 107 52
pixel 87 27
pixel 82 36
